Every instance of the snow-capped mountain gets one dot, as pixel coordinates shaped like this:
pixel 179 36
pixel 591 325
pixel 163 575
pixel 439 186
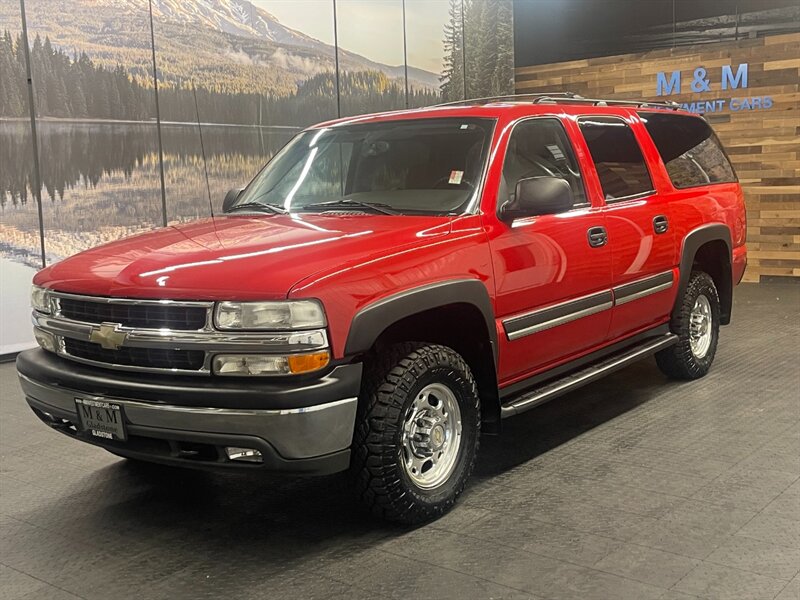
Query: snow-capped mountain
pixel 224 44
pixel 237 17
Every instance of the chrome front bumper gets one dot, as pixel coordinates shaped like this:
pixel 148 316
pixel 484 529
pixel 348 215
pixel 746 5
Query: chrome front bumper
pixel 314 438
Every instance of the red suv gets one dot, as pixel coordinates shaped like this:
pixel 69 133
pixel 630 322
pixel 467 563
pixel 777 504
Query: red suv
pixel 390 285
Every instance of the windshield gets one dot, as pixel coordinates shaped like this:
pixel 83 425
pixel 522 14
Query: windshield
pixel 425 166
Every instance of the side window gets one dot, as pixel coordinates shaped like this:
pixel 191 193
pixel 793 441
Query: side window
pixel 691 152
pixel 617 157
pixel 540 148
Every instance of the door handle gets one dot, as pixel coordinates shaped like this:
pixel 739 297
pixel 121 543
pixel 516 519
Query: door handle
pixel 660 224
pixel 598 236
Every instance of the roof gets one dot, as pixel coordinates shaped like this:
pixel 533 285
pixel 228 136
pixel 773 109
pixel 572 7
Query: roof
pixel 498 106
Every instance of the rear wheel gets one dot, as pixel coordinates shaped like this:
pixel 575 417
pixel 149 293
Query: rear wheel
pixel 417 432
pixel 697 326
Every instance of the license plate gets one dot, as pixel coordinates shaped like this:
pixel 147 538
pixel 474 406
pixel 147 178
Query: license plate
pixel 101 419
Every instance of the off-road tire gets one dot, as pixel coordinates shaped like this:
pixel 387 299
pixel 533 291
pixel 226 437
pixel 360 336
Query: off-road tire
pixel 391 383
pixel 678 361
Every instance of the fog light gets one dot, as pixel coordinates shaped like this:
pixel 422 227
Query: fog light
pixel 244 454
pixel 269 364
pixel 250 364
pixel 45 340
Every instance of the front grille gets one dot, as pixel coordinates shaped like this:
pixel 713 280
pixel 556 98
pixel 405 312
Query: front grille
pixel 151 358
pixel 151 316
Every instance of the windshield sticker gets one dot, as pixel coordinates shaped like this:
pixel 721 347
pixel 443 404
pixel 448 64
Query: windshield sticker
pixel 455 177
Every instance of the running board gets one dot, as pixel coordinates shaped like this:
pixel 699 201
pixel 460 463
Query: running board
pixel 593 372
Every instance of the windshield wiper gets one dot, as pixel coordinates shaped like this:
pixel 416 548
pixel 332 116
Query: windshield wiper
pixel 259 206
pixel 347 202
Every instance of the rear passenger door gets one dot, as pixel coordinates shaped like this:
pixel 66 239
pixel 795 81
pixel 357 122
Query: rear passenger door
pixel 638 220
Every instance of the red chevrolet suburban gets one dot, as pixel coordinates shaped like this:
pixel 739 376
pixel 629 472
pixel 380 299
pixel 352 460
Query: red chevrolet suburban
pixel 391 285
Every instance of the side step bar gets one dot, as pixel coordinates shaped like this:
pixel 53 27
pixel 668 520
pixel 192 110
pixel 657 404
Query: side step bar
pixel 573 381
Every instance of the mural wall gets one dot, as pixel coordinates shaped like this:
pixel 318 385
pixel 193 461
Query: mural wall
pixel 235 80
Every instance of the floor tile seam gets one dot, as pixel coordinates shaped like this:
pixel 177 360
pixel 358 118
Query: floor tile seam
pixel 635 487
pixel 773 542
pixel 509 587
pixel 750 571
pixel 39 579
pixel 740 462
pixel 788 583
pixel 54 532
pixel 571 529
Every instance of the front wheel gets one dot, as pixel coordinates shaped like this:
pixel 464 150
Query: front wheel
pixel 417 432
pixel 696 324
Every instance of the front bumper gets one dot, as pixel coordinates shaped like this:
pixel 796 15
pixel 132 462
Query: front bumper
pixel 309 430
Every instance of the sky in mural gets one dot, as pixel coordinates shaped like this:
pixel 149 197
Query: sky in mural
pixel 424 19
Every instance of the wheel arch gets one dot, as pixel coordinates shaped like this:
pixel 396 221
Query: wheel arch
pixel 709 248
pixel 455 313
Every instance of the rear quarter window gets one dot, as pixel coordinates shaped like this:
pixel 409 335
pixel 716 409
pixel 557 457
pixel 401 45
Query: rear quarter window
pixel 689 148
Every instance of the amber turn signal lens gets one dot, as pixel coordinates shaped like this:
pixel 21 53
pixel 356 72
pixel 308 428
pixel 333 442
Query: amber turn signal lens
pixel 303 363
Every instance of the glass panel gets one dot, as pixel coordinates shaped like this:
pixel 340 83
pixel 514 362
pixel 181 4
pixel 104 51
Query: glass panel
pixel 489 48
pixel 540 148
pixel 435 54
pixel 617 157
pixel 97 137
pixel 691 152
pixel 371 61
pixel 259 72
pixel 20 252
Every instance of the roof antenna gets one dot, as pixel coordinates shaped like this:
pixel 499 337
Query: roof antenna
pixel 202 148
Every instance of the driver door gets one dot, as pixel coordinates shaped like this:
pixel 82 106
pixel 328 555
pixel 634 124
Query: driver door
pixel 553 271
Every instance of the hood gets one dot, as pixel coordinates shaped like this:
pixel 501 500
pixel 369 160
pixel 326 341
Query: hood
pixel 242 257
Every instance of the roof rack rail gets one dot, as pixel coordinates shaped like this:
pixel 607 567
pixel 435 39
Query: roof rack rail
pixel 561 98
pixel 511 98
pixel 600 102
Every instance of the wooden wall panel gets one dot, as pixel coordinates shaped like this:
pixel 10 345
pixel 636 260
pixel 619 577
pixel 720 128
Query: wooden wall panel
pixel 763 144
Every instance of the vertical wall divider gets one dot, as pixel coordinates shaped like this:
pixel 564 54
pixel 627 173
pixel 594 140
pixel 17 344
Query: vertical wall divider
pixel 405 51
pixel 336 63
pixel 158 121
pixel 463 50
pixel 37 178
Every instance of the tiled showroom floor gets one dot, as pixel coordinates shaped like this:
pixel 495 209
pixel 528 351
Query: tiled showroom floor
pixel 633 488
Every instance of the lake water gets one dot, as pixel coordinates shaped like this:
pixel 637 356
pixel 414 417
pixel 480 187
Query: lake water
pixel 100 182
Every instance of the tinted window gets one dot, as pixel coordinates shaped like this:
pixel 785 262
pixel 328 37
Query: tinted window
pixel 540 148
pixel 617 157
pixel 690 150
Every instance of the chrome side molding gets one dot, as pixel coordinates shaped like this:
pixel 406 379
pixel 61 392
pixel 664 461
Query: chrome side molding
pixel 541 319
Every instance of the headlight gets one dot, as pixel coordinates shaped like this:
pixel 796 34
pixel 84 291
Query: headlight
pixel 269 364
pixel 291 314
pixel 40 299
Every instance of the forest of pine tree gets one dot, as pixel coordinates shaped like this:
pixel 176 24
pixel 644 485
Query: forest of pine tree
pixel 72 86
pixel 479 49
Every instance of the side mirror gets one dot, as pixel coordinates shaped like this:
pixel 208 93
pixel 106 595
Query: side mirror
pixel 539 196
pixel 231 197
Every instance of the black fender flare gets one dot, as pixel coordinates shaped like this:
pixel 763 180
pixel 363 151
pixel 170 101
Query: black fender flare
pixel 689 247
pixel 372 320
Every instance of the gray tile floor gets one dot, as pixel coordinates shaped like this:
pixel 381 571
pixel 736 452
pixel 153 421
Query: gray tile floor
pixel 634 488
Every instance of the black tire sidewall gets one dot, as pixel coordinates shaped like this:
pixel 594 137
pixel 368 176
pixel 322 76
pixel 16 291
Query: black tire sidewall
pixel 461 386
pixel 700 284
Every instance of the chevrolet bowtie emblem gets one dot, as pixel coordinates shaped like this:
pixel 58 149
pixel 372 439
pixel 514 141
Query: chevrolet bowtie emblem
pixel 108 336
